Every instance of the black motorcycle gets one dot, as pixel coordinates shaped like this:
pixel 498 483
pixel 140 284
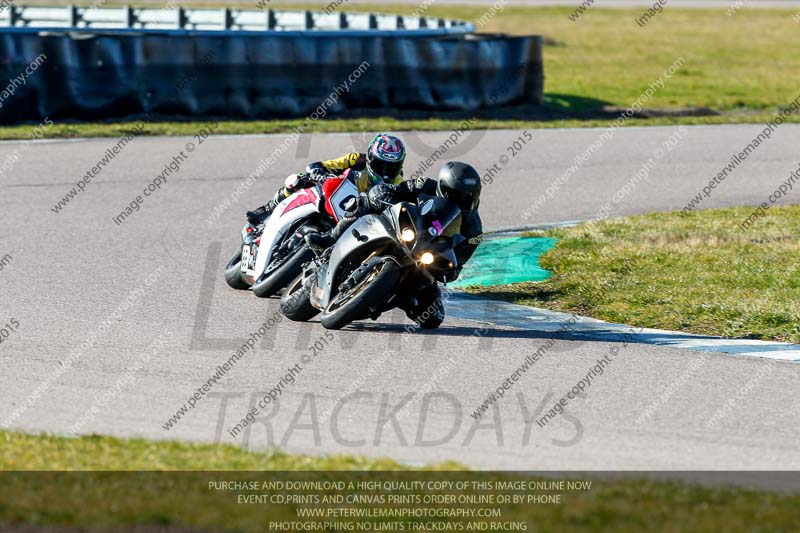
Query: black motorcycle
pixel 383 261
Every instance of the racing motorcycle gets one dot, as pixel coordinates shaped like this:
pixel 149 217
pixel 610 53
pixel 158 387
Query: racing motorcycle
pixel 272 254
pixel 380 263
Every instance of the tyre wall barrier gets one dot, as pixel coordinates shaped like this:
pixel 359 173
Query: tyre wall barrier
pixel 104 63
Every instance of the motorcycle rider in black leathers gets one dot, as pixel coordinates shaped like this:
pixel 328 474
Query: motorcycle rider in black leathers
pixel 456 181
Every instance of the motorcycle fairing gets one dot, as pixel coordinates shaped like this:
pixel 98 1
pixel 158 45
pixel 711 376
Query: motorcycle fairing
pixel 373 232
pixel 338 191
pixel 298 205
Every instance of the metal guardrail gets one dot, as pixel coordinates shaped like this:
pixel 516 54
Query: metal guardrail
pixel 134 18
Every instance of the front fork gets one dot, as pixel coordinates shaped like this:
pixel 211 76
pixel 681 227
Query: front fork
pixel 413 281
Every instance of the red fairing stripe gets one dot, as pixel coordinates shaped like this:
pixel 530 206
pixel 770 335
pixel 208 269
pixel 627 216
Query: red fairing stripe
pixel 307 197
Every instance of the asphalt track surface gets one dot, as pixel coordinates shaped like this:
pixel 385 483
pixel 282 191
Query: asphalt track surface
pixel 70 271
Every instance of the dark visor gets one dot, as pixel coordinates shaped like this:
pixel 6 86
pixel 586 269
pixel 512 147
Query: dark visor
pixel 385 169
pixel 465 200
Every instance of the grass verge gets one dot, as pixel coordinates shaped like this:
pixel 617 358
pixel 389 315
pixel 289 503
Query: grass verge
pixel 700 273
pixel 378 123
pixel 181 501
pixel 594 68
pixel 47 452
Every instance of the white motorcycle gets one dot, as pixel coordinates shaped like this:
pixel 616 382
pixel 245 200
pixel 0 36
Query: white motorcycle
pixel 273 254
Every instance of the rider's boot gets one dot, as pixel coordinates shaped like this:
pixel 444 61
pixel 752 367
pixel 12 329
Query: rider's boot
pixel 320 242
pixel 293 183
pixel 270 206
pixel 258 216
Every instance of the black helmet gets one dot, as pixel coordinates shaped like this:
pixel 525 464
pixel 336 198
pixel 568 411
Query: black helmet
pixel 460 183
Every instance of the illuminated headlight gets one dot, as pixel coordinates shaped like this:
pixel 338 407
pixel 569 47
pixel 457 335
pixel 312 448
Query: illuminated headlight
pixel 426 258
pixel 407 235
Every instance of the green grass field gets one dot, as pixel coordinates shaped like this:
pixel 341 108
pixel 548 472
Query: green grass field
pixel 44 452
pixel 108 497
pixel 701 273
pixel 737 70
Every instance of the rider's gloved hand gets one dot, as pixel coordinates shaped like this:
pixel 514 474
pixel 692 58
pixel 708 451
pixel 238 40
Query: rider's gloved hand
pixel 316 174
pixel 380 193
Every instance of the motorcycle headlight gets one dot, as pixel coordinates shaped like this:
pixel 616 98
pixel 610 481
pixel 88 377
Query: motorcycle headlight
pixel 407 235
pixel 426 258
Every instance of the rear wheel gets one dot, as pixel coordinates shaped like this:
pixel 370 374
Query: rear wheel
pixel 377 283
pixel 233 273
pixel 279 276
pixel 296 302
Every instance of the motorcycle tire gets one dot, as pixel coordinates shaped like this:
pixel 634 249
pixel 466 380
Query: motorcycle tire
pixel 284 274
pixel 375 289
pixel 233 273
pixel 296 302
pixel 429 311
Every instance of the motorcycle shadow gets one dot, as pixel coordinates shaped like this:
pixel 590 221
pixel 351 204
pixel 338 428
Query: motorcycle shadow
pixel 483 331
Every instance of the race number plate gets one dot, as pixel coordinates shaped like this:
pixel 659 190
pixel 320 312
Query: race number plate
pixel 338 192
pixel 249 259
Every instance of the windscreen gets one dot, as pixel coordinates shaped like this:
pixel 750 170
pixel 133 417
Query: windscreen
pixel 442 216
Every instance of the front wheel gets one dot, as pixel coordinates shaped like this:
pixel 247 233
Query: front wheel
pixel 377 283
pixel 296 302
pixel 233 273
pixel 429 311
pixel 279 276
